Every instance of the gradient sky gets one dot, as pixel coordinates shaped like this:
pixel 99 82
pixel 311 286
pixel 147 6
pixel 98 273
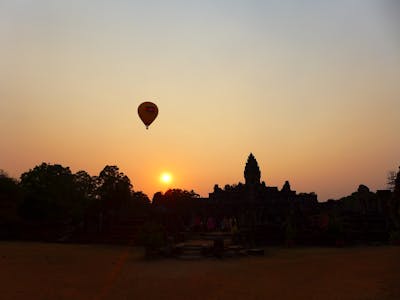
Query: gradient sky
pixel 312 88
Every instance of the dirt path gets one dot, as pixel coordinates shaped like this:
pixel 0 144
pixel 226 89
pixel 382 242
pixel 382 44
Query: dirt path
pixel 56 271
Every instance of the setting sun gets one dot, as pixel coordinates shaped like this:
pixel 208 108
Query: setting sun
pixel 166 178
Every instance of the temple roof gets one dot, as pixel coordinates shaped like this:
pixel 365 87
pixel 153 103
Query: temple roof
pixel 252 172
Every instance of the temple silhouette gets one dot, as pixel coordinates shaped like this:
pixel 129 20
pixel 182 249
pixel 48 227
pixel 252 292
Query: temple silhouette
pixel 257 195
pixel 269 215
pixel 50 203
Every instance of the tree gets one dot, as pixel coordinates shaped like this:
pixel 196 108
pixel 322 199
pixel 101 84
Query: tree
pixel 9 189
pixel 396 188
pixel 395 201
pixel 140 198
pixel 10 195
pixel 391 180
pixel 157 199
pixel 86 192
pixel 176 207
pixel 85 185
pixel 50 194
pixel 114 188
pixel 139 204
pixel 176 200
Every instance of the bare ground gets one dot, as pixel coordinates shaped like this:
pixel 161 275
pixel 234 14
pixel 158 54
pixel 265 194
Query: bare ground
pixel 57 271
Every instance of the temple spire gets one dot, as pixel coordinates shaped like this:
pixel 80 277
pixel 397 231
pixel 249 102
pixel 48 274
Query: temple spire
pixel 252 172
pixel 286 187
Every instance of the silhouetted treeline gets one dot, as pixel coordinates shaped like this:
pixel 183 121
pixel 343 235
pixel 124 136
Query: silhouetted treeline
pixel 49 198
pixel 10 200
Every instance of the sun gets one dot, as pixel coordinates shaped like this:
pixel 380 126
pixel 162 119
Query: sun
pixel 166 178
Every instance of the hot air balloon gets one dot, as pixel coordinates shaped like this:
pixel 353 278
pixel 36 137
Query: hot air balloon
pixel 147 111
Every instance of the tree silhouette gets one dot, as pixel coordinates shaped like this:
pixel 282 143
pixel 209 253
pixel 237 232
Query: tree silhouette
pixel 9 189
pixel 176 206
pixel 395 201
pixel 391 180
pixel 396 188
pixel 113 188
pixel 157 199
pixel 175 199
pixel 85 185
pixel 140 198
pixel 10 195
pixel 50 194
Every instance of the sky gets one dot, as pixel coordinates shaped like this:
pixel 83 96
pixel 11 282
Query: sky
pixel 311 88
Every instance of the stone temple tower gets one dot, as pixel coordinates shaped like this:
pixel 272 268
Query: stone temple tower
pixel 252 172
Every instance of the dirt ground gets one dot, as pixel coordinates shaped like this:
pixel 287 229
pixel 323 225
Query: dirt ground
pixel 57 271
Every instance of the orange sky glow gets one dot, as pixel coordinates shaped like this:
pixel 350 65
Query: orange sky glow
pixel 311 89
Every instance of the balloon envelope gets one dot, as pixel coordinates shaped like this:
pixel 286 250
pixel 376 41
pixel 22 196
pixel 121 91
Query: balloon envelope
pixel 147 111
